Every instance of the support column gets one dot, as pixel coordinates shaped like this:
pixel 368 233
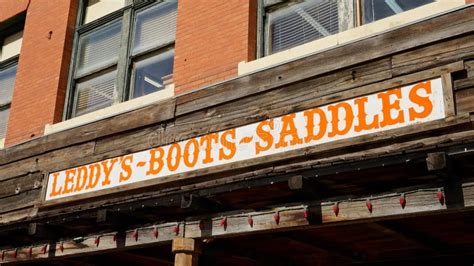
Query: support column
pixel 186 251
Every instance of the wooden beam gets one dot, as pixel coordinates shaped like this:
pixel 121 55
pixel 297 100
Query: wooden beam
pixel 186 251
pixel 420 202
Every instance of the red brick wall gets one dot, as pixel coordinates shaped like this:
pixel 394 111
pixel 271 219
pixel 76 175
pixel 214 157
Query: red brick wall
pixel 41 79
pixel 469 1
pixel 212 38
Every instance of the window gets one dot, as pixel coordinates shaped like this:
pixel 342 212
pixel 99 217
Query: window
pixel 378 9
pixel 289 23
pixel 9 53
pixel 122 52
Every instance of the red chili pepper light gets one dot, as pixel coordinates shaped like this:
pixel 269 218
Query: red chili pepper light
pixel 250 220
pixel 306 214
pixel 61 247
pixel 30 252
pixel 155 232
pixel 15 253
pixel 97 241
pixel 44 249
pixel 335 208
pixel 276 217
pixel 440 196
pixel 201 225
pixel 114 238
pixel 3 254
pixel 223 222
pixel 135 235
pixel 176 229
pixel 403 200
pixel 369 205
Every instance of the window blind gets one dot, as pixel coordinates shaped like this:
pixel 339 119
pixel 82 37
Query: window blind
pixel 3 122
pixel 95 93
pixel 7 82
pixel 99 48
pixel 300 23
pixel 155 26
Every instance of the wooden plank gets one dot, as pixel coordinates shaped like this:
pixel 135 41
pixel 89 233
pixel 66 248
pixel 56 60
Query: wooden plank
pixel 20 201
pixel 17 215
pixel 433 55
pixel 464 100
pixel 20 184
pixel 429 31
pixel 466 83
pixel 448 97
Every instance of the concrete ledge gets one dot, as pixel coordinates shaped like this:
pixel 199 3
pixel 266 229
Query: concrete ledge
pixel 114 110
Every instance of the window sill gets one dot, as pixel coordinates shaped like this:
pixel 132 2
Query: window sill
pixel 114 110
pixel 349 36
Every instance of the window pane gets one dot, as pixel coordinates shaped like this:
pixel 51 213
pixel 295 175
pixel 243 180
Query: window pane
pixel 7 82
pixel 99 8
pixel 379 9
pixel 99 48
pixel 155 26
pixel 3 122
pixel 95 93
pixel 149 73
pixel 301 23
pixel 11 46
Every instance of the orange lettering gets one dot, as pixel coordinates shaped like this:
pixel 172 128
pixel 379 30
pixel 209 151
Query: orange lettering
pixel 230 146
pixel 207 140
pixel 69 180
pixel 362 116
pixel 126 167
pixel 288 129
pixel 310 136
pixel 108 170
pixel 265 136
pixel 169 160
pixel 93 168
pixel 54 191
pixel 81 179
pixel 195 144
pixel 156 161
pixel 420 101
pixel 387 106
pixel 334 109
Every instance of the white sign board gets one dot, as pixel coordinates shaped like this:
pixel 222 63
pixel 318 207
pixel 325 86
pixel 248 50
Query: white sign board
pixel 395 108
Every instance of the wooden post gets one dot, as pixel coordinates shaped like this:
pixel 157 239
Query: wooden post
pixel 186 251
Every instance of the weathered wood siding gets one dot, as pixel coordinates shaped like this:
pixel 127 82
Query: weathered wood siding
pixel 443 45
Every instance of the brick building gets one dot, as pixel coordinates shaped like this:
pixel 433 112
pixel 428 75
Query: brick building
pixel 242 132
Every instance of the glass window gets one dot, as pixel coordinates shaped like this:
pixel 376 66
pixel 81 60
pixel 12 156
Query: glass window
pixel 7 82
pixel 374 10
pixel 3 122
pixel 153 53
pixel 114 62
pixel 290 23
pixel 299 23
pixel 95 92
pixel 99 48
pixel 150 72
pixel 155 26
pixel 99 8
